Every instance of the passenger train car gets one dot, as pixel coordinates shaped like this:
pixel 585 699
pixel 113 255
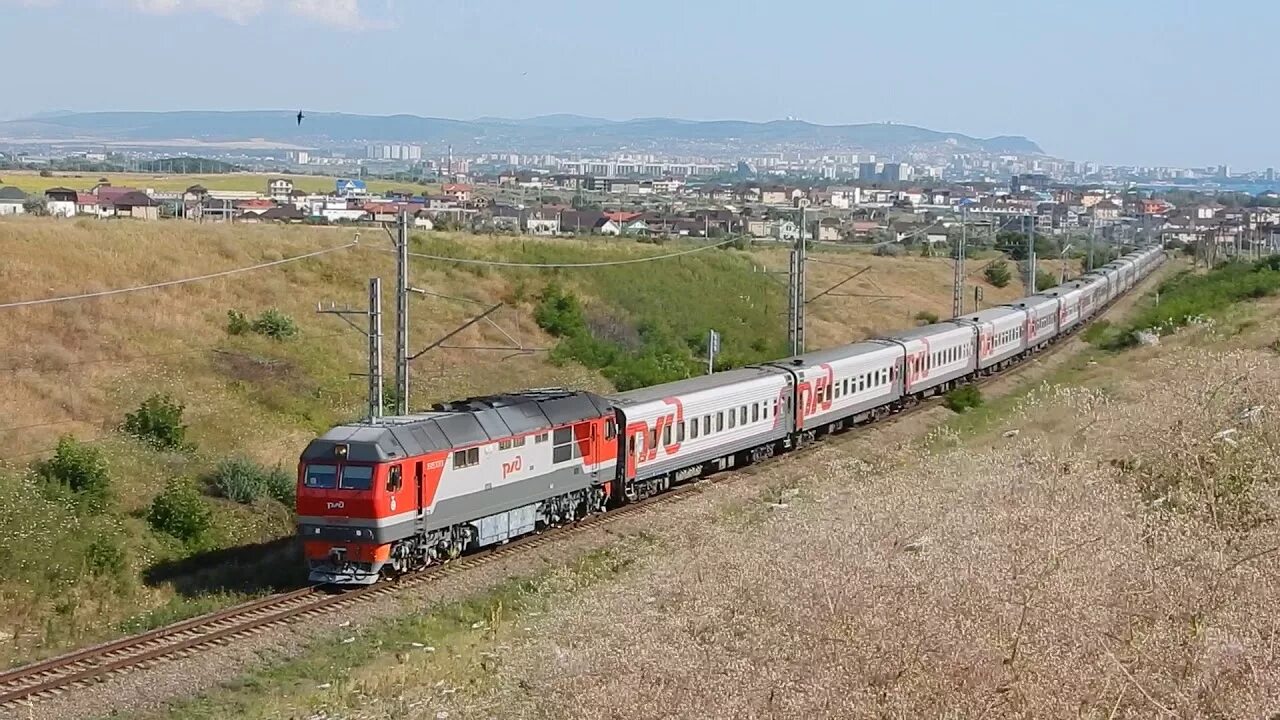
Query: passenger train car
pixel 376 499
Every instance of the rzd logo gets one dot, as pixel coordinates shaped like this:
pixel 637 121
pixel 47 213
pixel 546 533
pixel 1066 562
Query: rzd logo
pixel 336 505
pixel 816 397
pixel 660 426
pixel 509 467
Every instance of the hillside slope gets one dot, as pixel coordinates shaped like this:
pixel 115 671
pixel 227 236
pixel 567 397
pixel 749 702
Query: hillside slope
pixel 77 368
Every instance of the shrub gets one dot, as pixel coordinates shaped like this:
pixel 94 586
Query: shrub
pixel 239 479
pixel 237 323
pixel 925 317
pixel 1045 280
pixel 105 555
pixel 997 273
pixel 275 325
pixel 80 468
pixel 180 511
pixel 281 485
pixel 962 398
pixel 158 422
pixel 888 249
pixel 559 312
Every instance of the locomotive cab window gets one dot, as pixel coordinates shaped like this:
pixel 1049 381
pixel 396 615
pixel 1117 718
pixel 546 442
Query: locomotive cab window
pixel 321 477
pixel 610 429
pixel 395 479
pixel 356 477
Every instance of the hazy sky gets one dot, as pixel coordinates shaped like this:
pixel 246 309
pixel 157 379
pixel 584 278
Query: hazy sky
pixel 1154 82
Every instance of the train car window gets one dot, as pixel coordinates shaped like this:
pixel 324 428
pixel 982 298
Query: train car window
pixel 356 477
pixel 395 480
pixel 755 412
pixel 610 430
pixel 504 444
pixel 846 386
pixel 321 477
pixel 653 438
pixel 680 432
pixel 540 438
pixel 742 411
pixel 631 445
pixel 693 429
pixel 764 409
pixel 733 419
pixel 719 422
pixel 706 424
pixel 666 435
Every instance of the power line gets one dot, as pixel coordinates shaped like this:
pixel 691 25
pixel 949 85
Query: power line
pixel 605 263
pixel 171 283
pixel 126 360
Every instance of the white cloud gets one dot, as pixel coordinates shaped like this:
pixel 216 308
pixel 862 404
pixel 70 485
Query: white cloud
pixel 337 13
pixel 343 14
pixel 239 11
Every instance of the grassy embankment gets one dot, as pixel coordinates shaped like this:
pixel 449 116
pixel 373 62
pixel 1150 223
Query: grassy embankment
pixel 77 570
pixel 1060 580
pixel 32 182
pixel 1114 559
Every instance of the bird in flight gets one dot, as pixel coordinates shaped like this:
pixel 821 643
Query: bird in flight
pixel 300 117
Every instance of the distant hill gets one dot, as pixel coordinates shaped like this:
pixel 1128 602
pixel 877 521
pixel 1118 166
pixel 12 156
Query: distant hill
pixel 547 133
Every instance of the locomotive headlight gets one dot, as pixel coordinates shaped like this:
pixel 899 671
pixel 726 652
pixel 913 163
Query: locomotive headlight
pixel 340 451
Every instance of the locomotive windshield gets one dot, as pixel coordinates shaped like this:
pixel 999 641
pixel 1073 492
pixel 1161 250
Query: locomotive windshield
pixel 346 477
pixel 323 477
pixel 356 477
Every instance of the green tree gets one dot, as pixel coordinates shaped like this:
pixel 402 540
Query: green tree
pixel 997 273
pixel 1045 280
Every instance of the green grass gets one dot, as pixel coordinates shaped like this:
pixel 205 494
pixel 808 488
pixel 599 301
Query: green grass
pixel 660 315
pixel 1189 296
pixel 340 671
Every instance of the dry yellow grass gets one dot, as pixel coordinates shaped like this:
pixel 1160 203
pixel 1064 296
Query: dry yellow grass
pixel 1116 558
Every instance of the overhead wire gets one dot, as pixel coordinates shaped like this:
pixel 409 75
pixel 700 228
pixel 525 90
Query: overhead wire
pixel 172 283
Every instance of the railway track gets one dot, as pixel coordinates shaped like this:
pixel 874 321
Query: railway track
pixel 28 684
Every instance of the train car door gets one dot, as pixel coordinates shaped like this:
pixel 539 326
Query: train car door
pixel 417 486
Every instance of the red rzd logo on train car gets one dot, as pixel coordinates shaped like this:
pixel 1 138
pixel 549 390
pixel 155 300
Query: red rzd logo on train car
pixel 814 398
pixel 660 425
pixel 335 505
pixel 511 466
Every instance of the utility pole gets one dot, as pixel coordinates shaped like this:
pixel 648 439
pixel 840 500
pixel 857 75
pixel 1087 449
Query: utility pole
pixel 713 347
pixel 402 315
pixel 957 283
pixel 1093 235
pixel 374 334
pixel 1031 254
pixel 796 292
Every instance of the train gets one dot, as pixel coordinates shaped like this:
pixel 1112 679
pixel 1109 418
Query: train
pixel 376 499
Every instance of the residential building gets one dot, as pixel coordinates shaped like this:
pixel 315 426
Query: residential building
pixel 12 200
pixel 280 190
pixel 542 221
pixel 60 201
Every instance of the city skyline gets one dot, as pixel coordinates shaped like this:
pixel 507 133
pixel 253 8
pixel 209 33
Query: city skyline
pixel 1089 82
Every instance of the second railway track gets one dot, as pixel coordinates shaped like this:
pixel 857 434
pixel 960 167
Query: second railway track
pixel 28 684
